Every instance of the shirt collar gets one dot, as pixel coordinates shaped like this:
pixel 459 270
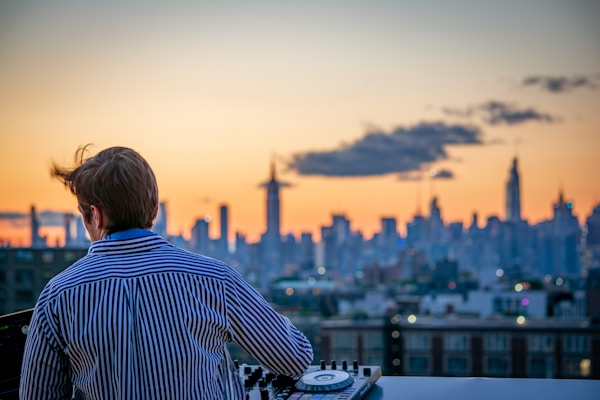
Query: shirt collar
pixel 129 234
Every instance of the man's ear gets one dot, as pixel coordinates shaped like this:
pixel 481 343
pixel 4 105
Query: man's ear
pixel 98 217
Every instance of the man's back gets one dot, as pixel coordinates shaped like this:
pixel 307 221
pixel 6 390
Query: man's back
pixel 140 318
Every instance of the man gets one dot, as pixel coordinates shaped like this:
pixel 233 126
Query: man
pixel 138 318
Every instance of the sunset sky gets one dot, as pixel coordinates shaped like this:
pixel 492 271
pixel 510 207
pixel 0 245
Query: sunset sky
pixel 356 101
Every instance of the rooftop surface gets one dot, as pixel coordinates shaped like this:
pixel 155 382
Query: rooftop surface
pixel 429 388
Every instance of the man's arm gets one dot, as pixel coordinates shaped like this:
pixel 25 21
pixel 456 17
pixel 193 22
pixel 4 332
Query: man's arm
pixel 45 371
pixel 267 335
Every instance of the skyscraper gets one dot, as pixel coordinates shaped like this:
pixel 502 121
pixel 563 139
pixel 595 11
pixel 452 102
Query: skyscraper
pixel 223 239
pixel 200 237
pixel 273 204
pixel 68 218
pixel 36 239
pixel 160 224
pixel 271 239
pixel 513 194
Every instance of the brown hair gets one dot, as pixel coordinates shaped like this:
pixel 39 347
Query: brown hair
pixel 119 181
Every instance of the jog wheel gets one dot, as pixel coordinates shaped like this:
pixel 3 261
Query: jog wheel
pixel 324 381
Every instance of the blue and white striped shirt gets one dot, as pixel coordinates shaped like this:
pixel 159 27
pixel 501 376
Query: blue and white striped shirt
pixel 138 318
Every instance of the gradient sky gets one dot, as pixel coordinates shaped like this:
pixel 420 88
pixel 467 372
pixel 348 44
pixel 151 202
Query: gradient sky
pixel 356 101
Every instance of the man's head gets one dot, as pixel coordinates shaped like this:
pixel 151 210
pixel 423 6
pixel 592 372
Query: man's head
pixel 116 185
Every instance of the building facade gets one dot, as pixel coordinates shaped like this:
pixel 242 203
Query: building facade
pixel 418 346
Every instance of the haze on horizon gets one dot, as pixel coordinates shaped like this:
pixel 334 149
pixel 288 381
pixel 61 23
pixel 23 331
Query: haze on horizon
pixel 356 101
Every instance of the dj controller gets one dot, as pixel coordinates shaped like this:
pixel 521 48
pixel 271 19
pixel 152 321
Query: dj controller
pixel 323 382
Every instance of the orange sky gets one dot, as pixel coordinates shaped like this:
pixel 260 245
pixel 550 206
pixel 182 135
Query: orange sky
pixel 209 92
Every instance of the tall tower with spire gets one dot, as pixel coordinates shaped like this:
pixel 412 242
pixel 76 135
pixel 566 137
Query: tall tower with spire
pixel 513 194
pixel 273 205
pixel 271 239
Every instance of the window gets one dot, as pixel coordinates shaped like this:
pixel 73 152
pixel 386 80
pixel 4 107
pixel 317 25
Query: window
pixel 456 342
pixel 496 366
pixel 457 366
pixel 344 340
pixel 418 341
pixel 576 344
pixel 70 256
pixel 540 367
pixel 498 305
pixel 25 257
pixel 24 276
pixel 418 365
pixel 576 367
pixel 496 343
pixel 540 343
pixel 374 340
pixel 47 256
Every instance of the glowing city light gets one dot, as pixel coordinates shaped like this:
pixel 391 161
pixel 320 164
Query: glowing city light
pixel 584 367
pixel 559 281
pixel 525 302
pixel 321 270
pixel 289 291
pixel 518 287
pixel 395 319
pixel 499 272
pixel 521 320
pixel 412 319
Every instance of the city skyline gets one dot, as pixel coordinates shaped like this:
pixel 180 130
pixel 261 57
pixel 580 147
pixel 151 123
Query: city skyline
pixel 272 214
pixel 359 103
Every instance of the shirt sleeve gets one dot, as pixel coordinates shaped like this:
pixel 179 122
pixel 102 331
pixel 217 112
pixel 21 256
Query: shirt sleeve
pixel 44 372
pixel 268 336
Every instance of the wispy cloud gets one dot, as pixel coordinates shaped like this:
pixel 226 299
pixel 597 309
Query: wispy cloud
pixel 403 150
pixel 422 175
pixel 560 84
pixel 495 112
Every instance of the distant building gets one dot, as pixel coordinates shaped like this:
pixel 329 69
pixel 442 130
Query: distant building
pixel 36 239
pixel 223 242
pixel 25 271
pixel 425 346
pixel 160 225
pixel 271 238
pixel 513 194
pixel 558 241
pixel 592 239
pixel 200 242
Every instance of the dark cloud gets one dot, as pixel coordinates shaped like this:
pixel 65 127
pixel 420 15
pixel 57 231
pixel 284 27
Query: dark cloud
pixel 10 216
pixel 378 153
pixel 560 84
pixel 443 174
pixel 496 112
pixel 45 218
pixel 15 219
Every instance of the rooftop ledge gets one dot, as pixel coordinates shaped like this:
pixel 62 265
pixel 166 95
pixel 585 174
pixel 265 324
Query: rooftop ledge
pixel 429 388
